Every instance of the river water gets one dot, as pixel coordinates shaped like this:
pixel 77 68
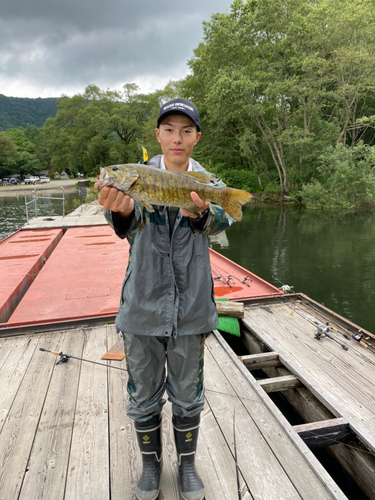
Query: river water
pixel 332 260
pixel 13 212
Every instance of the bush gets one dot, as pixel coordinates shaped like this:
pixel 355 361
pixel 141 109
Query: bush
pixel 346 180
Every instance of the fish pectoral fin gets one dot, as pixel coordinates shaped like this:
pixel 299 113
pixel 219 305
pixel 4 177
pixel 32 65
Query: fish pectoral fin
pixel 147 206
pixel 193 209
pixel 204 178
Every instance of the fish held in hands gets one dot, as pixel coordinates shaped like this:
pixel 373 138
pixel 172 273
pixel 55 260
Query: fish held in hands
pixel 152 186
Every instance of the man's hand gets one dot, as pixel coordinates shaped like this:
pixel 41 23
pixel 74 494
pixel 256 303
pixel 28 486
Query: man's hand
pixel 201 205
pixel 115 200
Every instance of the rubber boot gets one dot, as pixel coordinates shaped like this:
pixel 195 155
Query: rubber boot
pixel 186 437
pixel 149 441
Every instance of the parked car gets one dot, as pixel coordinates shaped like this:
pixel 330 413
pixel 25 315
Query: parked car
pixel 43 179
pixel 31 179
pixel 14 180
pixel 11 181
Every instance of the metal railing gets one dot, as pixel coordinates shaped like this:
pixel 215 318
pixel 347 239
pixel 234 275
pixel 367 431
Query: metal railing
pixel 35 198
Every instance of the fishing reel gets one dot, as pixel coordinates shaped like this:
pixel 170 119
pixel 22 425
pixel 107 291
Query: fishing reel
pixel 63 358
pixel 322 332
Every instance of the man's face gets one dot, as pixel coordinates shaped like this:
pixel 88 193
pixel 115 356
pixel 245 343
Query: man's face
pixel 177 136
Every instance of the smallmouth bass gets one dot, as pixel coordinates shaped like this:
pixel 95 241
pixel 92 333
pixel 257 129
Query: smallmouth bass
pixel 152 186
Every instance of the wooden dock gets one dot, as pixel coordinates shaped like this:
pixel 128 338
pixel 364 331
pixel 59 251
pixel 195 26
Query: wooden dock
pixel 330 387
pixel 64 433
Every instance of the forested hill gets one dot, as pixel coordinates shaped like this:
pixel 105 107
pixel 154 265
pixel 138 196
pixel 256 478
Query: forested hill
pixel 22 111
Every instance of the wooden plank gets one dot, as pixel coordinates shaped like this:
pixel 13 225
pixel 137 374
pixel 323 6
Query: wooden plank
pixel 323 433
pixel 116 352
pixel 339 331
pixel 280 383
pixel 333 389
pixel 47 467
pixel 235 385
pixel 330 365
pixel 356 462
pixel 17 354
pixel 18 432
pixel 260 361
pixel 305 471
pixel 358 372
pixel 88 473
pixel 230 309
pixel 6 345
pixel 124 461
pixel 215 461
pixel 65 222
pixel 262 473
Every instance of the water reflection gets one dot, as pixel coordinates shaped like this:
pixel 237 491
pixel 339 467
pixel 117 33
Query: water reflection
pixel 13 212
pixel 330 259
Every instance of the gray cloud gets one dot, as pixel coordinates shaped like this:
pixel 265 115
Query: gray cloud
pixel 50 48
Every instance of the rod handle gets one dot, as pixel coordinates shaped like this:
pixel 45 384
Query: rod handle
pixel 52 352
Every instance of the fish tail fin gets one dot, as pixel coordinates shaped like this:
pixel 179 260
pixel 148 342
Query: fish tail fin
pixel 234 199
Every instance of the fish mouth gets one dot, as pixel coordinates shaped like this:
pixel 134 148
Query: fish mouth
pixel 104 179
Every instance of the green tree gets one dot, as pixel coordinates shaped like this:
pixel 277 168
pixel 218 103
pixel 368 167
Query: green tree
pixel 286 78
pixel 8 155
pixel 23 160
pixel 97 128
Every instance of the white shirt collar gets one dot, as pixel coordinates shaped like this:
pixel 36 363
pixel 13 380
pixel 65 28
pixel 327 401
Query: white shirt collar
pixel 162 165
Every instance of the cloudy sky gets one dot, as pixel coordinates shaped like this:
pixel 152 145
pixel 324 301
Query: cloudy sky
pixel 49 47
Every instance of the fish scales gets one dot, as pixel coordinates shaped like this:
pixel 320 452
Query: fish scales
pixel 151 186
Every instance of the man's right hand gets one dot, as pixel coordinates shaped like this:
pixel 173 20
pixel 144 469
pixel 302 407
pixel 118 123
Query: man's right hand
pixel 116 201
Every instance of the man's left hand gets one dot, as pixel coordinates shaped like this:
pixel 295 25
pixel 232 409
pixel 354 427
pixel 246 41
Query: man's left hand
pixel 201 205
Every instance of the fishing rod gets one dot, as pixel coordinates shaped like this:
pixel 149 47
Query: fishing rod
pixel 64 358
pixel 230 276
pixel 358 337
pixel 235 455
pixel 218 276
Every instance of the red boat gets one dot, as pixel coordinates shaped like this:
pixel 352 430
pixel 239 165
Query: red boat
pixel 53 276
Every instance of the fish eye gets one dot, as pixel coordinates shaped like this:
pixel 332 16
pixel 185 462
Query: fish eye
pixel 115 168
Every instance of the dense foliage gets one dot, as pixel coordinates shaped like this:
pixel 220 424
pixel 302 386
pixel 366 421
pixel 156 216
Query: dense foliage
pixel 287 99
pixel 22 111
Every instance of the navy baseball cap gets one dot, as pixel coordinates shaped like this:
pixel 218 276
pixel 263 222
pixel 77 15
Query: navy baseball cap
pixel 179 107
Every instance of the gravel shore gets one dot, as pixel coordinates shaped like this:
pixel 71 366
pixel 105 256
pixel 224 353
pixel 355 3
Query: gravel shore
pixel 48 188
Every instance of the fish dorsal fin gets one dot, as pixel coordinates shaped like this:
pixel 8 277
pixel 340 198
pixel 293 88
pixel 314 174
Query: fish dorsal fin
pixel 200 176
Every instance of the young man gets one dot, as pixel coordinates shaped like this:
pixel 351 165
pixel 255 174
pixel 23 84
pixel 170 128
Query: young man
pixel 167 304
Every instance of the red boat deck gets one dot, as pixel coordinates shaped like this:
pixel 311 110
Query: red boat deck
pixel 81 279
pixel 234 282
pixel 83 276
pixel 22 256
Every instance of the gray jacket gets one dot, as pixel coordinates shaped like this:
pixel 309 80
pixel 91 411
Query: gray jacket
pixel 168 287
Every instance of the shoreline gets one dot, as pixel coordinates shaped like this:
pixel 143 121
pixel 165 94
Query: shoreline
pixel 49 188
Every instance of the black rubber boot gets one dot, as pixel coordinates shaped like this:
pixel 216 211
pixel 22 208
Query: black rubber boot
pixel 186 436
pixel 149 441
